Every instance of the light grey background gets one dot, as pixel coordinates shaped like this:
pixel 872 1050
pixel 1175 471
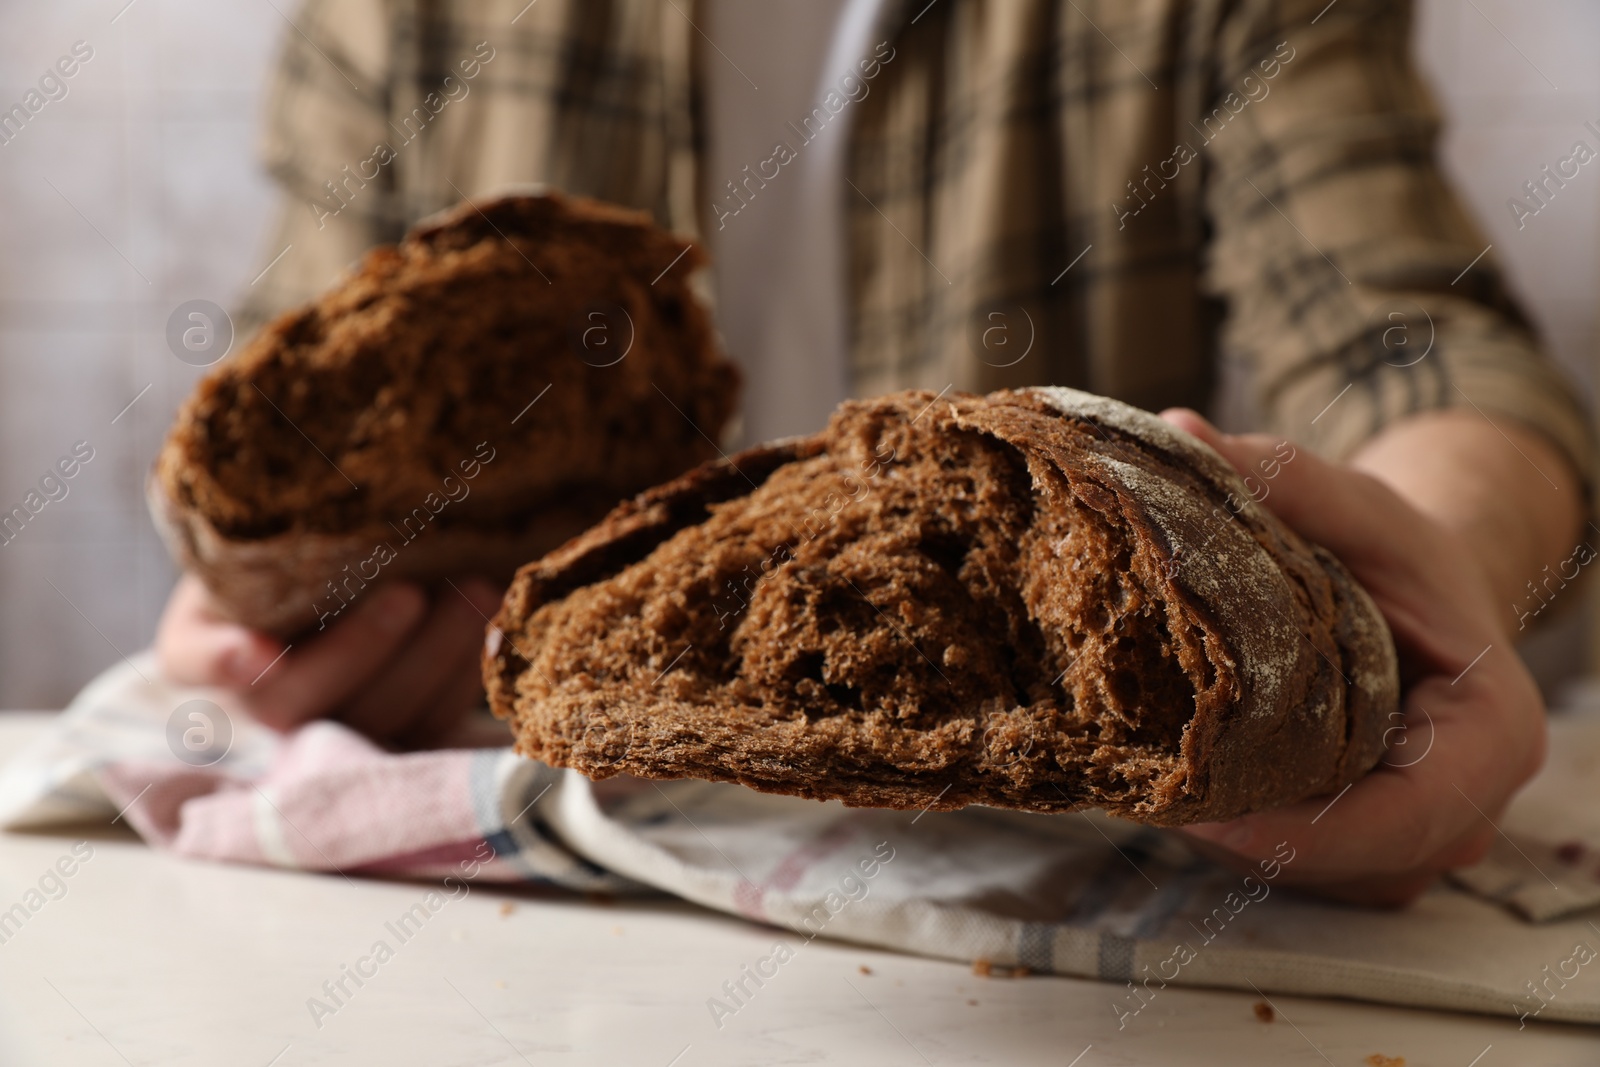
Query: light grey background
pixel 154 146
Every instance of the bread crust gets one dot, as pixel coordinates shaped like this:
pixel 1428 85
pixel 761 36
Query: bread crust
pixel 1295 672
pixel 285 584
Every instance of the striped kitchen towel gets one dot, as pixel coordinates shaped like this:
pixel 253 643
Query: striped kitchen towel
pixel 1079 895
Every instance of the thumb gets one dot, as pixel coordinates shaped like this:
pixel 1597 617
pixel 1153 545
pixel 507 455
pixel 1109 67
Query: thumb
pixel 1332 505
pixel 195 645
pixel 1195 424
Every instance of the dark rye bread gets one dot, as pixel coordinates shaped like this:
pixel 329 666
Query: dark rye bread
pixel 386 429
pixel 1037 599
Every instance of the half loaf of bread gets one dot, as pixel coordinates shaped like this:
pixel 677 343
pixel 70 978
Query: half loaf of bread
pixel 457 404
pixel 1038 599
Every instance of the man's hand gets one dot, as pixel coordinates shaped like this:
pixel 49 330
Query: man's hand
pixel 394 667
pixel 1473 729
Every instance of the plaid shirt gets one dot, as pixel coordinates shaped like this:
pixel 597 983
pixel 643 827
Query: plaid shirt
pixel 1109 194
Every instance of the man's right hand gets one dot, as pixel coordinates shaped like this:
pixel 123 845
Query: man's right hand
pixel 395 667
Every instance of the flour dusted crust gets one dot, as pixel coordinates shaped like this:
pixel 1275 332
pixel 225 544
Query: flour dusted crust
pixel 288 478
pixel 1242 572
pixel 1042 600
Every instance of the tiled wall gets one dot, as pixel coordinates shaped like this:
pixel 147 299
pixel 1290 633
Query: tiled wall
pixel 133 193
pixel 1518 79
pixel 156 200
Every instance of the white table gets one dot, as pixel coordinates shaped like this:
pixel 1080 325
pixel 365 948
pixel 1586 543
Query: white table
pixel 151 960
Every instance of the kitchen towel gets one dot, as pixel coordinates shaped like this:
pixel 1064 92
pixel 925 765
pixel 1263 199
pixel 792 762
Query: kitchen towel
pixel 1081 894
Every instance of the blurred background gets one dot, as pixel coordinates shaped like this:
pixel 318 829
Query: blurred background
pixel 140 190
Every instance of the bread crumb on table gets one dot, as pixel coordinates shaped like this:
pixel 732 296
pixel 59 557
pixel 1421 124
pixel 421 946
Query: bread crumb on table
pixel 506 908
pixel 1378 1059
pixel 864 969
pixel 986 969
pixel 1264 1011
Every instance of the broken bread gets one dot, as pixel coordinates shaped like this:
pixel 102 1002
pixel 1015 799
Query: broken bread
pixel 1038 599
pixel 457 404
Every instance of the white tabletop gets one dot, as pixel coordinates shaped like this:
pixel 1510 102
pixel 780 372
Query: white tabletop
pixel 151 960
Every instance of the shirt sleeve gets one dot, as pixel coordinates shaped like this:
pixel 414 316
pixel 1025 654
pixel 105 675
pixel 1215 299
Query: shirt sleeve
pixel 1359 291
pixel 326 117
